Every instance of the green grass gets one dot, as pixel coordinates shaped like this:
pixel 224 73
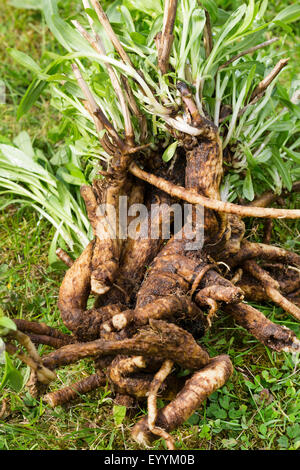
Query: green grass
pixel 257 409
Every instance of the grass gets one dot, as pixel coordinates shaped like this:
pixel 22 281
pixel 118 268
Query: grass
pixel 257 409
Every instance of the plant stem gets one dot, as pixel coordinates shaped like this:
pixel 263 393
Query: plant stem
pixel 167 36
pixel 263 85
pixel 248 51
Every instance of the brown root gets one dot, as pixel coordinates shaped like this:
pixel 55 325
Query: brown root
pixel 150 289
pixel 42 374
pixel 216 205
pixel 156 383
pixel 65 395
pixel 119 373
pixel 42 329
pixel 132 376
pixel 64 257
pixel 106 251
pixel 272 288
pixel 48 340
pixel 265 252
pixel 202 384
pixel 274 336
pixel 160 340
pixel 268 227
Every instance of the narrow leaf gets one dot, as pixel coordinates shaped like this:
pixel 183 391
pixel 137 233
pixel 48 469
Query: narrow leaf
pixel 169 152
pixel 248 191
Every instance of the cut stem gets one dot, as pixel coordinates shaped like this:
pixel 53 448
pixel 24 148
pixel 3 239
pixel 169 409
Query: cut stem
pixel 167 37
pixel 208 40
pixel 263 85
pixel 110 32
pixel 248 51
pixel 96 110
pixel 99 47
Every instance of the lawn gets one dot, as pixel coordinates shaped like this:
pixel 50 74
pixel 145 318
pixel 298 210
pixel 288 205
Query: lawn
pixel 258 408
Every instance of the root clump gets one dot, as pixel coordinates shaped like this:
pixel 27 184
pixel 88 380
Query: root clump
pixel 155 296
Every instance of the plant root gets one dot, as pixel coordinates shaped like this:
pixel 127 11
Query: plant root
pixel 156 383
pixel 202 384
pixel 48 340
pixel 42 374
pixel 272 288
pixel 219 206
pixel 155 295
pixel 65 395
pixel 268 333
pixel 160 340
pixel 64 257
pixel 42 329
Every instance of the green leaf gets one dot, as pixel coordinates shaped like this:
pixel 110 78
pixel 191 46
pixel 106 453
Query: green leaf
pixel 138 38
pixel 24 60
pixel 282 126
pixel 92 14
pixel 262 8
pixel 76 179
pixel 12 376
pixel 69 38
pixel 283 442
pixel 264 156
pixel 215 411
pixel 3 269
pixel 150 7
pixel 76 172
pixel 263 429
pixel 250 78
pixel 61 157
pixel 293 431
pixel 7 323
pixel 24 143
pixel 224 402
pixel 194 419
pixel 205 431
pixel 32 93
pixel 52 258
pixel 212 9
pixel 289 14
pixel 119 413
pixel 248 19
pixel 282 169
pixel 128 23
pixel 294 155
pixel 229 442
pixel 230 24
pixel 20 159
pixel 284 26
pixel 28 4
pixel 36 88
pixel 169 152
pixel 248 190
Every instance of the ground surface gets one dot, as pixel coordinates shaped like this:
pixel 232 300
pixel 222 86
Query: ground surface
pixel 259 407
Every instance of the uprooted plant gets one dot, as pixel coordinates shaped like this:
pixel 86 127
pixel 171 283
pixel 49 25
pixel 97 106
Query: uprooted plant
pixel 156 296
